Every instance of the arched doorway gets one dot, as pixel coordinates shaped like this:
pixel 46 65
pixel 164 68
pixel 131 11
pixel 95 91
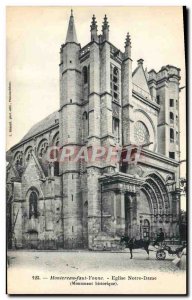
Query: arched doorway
pixel 158 216
pixel 31 218
pixel 146 229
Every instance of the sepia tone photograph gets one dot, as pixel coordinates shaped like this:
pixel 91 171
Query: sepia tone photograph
pixel 96 150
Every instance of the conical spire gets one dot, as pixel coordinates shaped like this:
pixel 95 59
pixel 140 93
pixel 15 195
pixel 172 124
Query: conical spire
pixel 71 32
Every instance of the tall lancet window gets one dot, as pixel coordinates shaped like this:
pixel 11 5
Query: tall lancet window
pixel 56 154
pixel 116 129
pixel 85 128
pixel 33 205
pixel 114 82
pixel 85 75
pixel 85 82
pixel 171 135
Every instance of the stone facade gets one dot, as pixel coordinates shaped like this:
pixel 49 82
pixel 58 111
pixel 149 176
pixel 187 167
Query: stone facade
pixel 91 204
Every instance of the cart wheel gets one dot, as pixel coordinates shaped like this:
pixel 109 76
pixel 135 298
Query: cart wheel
pixel 160 255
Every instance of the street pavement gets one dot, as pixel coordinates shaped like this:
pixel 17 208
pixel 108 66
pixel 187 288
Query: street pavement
pixel 65 261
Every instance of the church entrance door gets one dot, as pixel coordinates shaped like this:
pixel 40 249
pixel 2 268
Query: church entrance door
pixel 146 229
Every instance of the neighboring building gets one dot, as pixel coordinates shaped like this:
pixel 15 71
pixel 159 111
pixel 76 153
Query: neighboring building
pixel 104 103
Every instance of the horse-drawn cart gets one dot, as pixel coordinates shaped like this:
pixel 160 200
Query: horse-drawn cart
pixel 163 250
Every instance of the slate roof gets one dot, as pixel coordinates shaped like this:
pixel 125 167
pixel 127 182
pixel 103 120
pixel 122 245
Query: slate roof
pixel 44 124
pixel 71 32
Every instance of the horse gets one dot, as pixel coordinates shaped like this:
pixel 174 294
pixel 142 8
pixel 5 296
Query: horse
pixel 132 243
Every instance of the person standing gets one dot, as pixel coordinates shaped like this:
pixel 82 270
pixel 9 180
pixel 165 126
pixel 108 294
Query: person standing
pixel 160 237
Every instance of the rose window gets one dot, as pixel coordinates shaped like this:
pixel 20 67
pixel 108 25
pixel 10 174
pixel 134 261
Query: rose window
pixel 141 133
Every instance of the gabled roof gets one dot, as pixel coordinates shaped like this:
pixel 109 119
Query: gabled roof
pixel 139 78
pixel 37 164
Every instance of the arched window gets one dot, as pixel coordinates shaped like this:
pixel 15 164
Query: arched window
pixel 146 222
pixel 146 229
pixel 115 83
pixel 42 149
pixel 171 116
pixel 33 212
pixel 85 132
pixel 85 83
pixel 85 115
pixel 171 135
pixel 85 75
pixel 19 159
pixel 56 139
pixel 177 137
pixel 56 154
pixel 115 127
pixel 28 153
pixel 19 162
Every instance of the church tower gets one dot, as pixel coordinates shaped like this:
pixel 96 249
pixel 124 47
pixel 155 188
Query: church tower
pixel 70 125
pixel 96 198
pixel 164 85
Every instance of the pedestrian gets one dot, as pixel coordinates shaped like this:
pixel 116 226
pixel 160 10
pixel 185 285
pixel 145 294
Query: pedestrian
pixel 160 237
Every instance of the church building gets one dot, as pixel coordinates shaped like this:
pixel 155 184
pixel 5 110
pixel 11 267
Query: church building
pixel 79 204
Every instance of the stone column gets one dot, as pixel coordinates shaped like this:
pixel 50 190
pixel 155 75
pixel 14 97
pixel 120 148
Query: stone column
pixel 130 216
pixel 122 218
pixel 109 212
pixel 152 229
pixel 114 214
pixel 94 204
pixel 134 214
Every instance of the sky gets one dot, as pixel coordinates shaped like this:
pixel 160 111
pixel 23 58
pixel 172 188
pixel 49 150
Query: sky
pixel 34 37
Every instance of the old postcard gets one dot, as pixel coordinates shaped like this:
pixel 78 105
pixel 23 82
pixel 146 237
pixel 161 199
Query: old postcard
pixel 96 151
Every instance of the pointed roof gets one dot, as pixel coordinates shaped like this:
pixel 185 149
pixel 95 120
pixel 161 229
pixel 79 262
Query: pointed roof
pixel 139 78
pixel 71 32
pixel 35 165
